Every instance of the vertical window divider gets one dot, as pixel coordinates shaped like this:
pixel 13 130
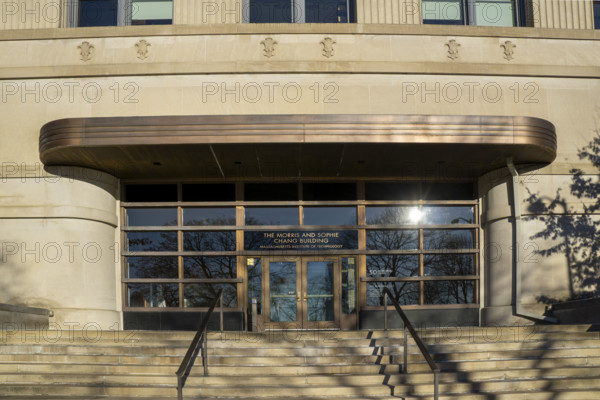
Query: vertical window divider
pixel 421 267
pixel 361 260
pixel 180 244
pixel 479 252
pixel 121 247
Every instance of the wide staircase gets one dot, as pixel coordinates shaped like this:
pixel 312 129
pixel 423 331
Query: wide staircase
pixel 516 363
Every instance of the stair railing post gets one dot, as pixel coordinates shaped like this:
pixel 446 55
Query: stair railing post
pixel 179 388
pixel 205 353
pixel 435 385
pixel 221 301
pixel 405 351
pixel 385 301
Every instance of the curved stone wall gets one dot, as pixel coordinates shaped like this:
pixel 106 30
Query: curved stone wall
pixel 58 243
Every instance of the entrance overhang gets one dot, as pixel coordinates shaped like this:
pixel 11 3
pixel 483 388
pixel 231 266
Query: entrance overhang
pixel 303 146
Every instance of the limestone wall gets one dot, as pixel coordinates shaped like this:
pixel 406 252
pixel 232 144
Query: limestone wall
pixel 58 241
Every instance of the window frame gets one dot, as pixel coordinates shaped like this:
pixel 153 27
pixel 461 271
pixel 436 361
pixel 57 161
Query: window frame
pixel 360 252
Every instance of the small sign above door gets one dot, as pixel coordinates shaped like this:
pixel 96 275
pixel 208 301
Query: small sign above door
pixel 301 240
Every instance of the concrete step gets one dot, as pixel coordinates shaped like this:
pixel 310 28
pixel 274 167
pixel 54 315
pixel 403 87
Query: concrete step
pixel 347 379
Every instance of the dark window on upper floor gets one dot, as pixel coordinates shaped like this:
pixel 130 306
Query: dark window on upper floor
pixel 299 11
pixel 596 14
pixel 98 12
pixel 478 12
pixel 124 12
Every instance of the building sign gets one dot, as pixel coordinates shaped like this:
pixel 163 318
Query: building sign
pixel 301 240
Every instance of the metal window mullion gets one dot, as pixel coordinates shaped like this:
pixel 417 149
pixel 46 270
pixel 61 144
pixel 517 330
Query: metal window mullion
pixel 421 269
pixel 180 272
pixel 124 271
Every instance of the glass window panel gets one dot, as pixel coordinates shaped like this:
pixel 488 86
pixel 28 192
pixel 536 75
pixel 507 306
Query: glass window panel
pixel 209 241
pixel 449 292
pixel 494 13
pixel 449 264
pixel 443 239
pixel 151 217
pixel 271 216
pixel 151 241
pixel 319 290
pixel 208 267
pixel 331 11
pixel 272 11
pixel 392 266
pixel 596 14
pixel 448 191
pixel 384 215
pixel 271 192
pixel 283 291
pixel 202 294
pixel 441 215
pixel 208 192
pixel 153 295
pixel 98 12
pixel 330 215
pixel 329 191
pixel 206 216
pixel 447 12
pixel 392 240
pixel 150 193
pixel 405 293
pixel 255 282
pixel 152 267
pixel 151 9
pixel 392 191
pixel 348 285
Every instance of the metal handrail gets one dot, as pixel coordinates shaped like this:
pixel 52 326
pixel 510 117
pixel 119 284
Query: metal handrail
pixel 188 360
pixel 434 367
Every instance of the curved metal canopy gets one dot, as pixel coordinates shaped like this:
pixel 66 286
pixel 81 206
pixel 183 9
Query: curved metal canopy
pixel 297 146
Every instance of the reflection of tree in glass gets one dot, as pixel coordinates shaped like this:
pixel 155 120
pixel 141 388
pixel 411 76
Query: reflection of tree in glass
pixel 446 239
pixel 152 267
pixel 448 292
pixel 209 241
pixel 214 221
pixel 405 293
pixel 203 267
pixel 449 264
pixel 282 286
pixel 391 216
pixel 574 233
pixel 319 277
pixel 153 295
pixel 202 294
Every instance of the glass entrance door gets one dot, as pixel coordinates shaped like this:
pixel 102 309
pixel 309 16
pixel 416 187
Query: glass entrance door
pixel 302 293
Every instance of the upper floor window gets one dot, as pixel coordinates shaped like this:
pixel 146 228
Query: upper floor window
pixel 122 12
pixel 596 14
pixel 475 12
pixel 298 11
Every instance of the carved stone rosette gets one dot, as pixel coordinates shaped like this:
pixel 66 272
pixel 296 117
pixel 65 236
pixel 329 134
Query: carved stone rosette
pixel 509 49
pixel 327 44
pixel 453 46
pixel 86 50
pixel 142 49
pixel 269 47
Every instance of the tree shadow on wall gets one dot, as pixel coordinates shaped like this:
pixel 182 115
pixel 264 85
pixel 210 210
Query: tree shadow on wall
pixel 574 232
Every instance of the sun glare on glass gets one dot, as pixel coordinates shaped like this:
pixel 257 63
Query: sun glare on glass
pixel 415 215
